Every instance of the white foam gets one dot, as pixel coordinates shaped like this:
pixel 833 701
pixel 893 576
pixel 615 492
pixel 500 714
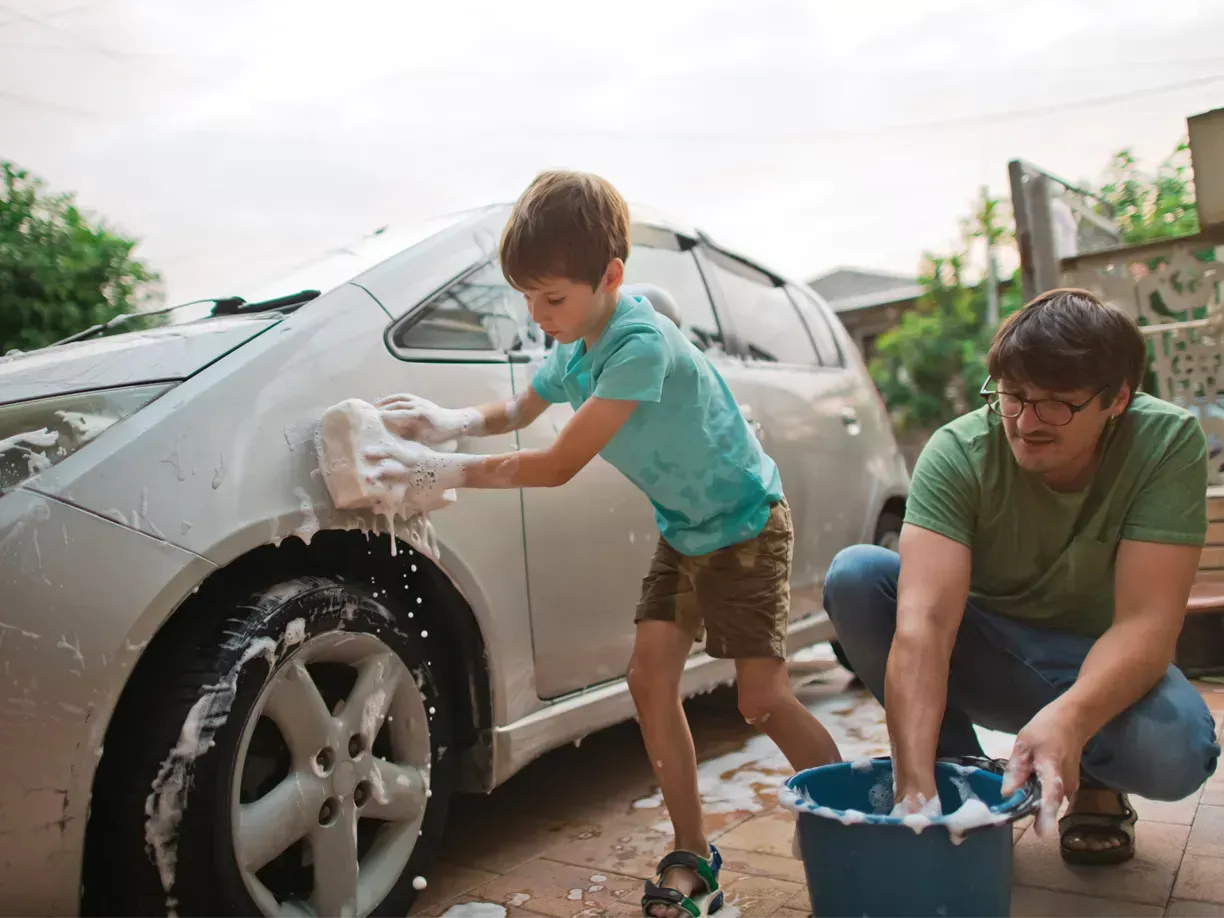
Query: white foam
pixel 29 443
pixel 743 780
pixel 862 764
pixel 347 433
pixel 295 632
pixel 310 520
pixel 852 817
pixel 416 418
pixel 971 814
pixel 930 809
pixel 164 805
pixel 475 910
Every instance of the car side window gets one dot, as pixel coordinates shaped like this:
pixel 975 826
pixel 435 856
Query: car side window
pixel 765 319
pixel 656 258
pixel 481 312
pixel 817 320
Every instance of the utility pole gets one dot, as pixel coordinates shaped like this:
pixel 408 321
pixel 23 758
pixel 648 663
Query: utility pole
pixel 992 273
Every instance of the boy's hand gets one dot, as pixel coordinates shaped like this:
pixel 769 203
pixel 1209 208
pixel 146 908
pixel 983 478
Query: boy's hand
pixel 413 418
pixel 407 472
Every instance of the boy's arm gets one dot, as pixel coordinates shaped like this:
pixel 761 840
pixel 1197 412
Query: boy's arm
pixel 415 418
pixel 589 431
pixel 632 373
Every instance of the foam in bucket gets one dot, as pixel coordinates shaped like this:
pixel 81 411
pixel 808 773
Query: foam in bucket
pixel 860 859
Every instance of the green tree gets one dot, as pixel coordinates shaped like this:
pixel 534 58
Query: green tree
pixel 1148 207
pixel 60 270
pixel 930 367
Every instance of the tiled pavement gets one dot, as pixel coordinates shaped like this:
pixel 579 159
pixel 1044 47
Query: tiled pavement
pixel 578 831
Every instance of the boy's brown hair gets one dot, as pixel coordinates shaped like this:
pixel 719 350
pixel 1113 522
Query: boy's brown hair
pixel 566 224
pixel 1067 339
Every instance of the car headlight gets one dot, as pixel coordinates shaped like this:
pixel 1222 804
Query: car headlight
pixel 35 435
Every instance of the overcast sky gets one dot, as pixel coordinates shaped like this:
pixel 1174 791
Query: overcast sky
pixel 235 137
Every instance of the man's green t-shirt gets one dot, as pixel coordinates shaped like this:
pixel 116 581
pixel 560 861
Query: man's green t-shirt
pixel 1048 556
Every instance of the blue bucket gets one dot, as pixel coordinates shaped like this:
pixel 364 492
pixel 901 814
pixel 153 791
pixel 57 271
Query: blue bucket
pixel 861 861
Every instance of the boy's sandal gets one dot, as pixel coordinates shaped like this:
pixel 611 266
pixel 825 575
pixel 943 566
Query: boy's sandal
pixel 706 900
pixel 1097 825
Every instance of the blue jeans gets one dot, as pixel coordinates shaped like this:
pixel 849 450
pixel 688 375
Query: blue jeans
pixel 1004 671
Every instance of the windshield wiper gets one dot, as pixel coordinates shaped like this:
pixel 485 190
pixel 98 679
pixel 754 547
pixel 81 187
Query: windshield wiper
pixel 222 306
pixel 236 304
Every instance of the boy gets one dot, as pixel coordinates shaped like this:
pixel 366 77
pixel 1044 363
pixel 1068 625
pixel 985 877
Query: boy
pixel 652 405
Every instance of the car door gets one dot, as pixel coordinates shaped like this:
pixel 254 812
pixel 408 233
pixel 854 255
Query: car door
pixel 802 407
pixel 590 543
pixel 868 445
pixel 586 545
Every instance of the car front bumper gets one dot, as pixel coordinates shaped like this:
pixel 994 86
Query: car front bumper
pixel 80 596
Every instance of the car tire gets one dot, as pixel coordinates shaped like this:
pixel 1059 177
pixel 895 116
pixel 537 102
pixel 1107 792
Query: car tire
pixel 887 535
pixel 239 764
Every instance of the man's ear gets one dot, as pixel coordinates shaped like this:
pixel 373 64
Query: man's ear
pixel 1121 401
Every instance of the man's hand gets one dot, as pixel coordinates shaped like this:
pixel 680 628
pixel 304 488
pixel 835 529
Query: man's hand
pixel 415 418
pixel 1051 745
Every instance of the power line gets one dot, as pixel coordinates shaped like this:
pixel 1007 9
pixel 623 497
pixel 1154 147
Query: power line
pixel 32 102
pixel 19 16
pixel 883 130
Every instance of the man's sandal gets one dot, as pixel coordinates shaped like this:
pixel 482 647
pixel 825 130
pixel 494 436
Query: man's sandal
pixel 1097 825
pixel 707 900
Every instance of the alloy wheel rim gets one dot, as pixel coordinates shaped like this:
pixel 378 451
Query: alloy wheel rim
pixel 362 761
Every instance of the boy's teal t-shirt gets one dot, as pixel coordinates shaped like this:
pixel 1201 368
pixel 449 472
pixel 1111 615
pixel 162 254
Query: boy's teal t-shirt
pixel 686 445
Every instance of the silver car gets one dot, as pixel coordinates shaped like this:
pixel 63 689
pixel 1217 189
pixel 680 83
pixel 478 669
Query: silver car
pixel 223 696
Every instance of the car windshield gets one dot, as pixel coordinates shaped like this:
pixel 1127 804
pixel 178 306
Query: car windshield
pixel 332 267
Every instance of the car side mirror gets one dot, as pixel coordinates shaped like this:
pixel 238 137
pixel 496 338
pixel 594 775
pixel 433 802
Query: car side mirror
pixel 503 331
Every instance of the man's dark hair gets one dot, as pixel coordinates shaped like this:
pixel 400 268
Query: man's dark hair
pixel 1067 340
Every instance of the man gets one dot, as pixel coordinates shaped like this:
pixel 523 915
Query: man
pixel 1050 542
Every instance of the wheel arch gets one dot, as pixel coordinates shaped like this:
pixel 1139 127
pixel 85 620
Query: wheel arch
pixel 894 504
pixel 349 556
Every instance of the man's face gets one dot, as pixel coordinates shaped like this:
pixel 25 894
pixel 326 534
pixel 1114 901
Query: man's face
pixel 567 309
pixel 1057 451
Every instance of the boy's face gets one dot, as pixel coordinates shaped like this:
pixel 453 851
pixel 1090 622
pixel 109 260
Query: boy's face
pixel 568 310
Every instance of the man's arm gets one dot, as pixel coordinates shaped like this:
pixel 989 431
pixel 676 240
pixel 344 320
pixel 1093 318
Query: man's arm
pixel 589 431
pixel 931 594
pixel 1152 586
pixel 1157 558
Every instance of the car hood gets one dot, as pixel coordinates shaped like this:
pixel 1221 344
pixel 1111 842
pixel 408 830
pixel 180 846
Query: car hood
pixel 166 353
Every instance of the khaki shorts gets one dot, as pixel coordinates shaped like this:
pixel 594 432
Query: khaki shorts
pixel 741 593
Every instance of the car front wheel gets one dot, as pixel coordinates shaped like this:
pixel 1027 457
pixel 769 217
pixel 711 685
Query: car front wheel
pixel 298 765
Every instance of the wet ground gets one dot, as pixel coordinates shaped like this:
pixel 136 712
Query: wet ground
pixel 576 833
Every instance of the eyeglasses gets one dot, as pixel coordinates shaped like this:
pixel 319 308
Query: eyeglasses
pixel 1052 411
